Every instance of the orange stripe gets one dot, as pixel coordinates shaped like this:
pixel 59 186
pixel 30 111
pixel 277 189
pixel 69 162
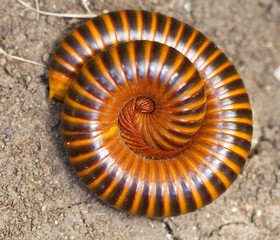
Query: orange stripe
pixel 88 95
pixel 230 164
pixel 163 57
pixel 153 26
pixel 196 88
pixel 81 142
pixel 213 168
pixel 183 118
pixel 234 133
pixel 151 202
pixel 166 29
pixel 116 180
pixel 181 172
pixel 118 65
pixel 190 42
pixel 179 34
pixel 233 93
pixel 139 24
pixel 92 28
pixel 226 81
pixel 65 64
pixel 99 62
pixel 200 50
pixel 125 25
pixel 77 120
pixel 91 79
pixel 172 178
pixel 82 42
pixel 110 166
pixel 238 150
pixel 238 120
pixel 147 60
pixel 219 69
pixel 166 199
pixel 185 78
pixel 76 105
pixel 72 52
pixel 131 54
pixel 127 186
pixel 104 174
pixel 210 59
pixel 139 189
pixel 210 188
pixel 237 106
pixel 193 188
pixel 110 27
pixel 85 156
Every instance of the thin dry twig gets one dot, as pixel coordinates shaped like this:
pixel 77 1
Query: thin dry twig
pixel 37 8
pixel 38 11
pixel 85 5
pixel 65 15
pixel 20 59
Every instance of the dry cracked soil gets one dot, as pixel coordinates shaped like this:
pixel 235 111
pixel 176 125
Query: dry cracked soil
pixel 40 195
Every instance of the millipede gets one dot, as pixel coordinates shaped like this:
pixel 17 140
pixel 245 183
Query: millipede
pixel 156 120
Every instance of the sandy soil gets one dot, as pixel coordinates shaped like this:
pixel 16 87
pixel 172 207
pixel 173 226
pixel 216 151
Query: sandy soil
pixel 40 196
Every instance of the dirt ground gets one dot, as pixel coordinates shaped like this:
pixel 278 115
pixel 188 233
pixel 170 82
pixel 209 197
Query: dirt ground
pixel 40 195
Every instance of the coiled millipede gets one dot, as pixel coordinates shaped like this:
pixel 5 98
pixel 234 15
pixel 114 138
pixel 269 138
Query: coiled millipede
pixel 157 121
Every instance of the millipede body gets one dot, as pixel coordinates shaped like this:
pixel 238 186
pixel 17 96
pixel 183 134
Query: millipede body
pixel 156 120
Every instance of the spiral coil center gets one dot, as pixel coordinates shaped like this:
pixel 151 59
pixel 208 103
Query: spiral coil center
pixel 145 105
pixel 134 123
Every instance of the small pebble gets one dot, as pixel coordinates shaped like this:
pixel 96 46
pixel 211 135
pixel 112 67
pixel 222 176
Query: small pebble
pixel 31 15
pixel 6 132
pixel 259 213
pixel 234 209
pixel 55 222
pixel 45 57
pixel 51 19
pixel 152 225
pixel 268 88
pixel 168 236
pixel 187 7
pixel 2 61
pixel 276 74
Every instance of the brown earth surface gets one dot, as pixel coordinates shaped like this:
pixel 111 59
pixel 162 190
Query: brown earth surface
pixel 40 195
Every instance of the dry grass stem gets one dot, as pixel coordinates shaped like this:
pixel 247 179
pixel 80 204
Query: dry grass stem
pixel 65 15
pixel 19 58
